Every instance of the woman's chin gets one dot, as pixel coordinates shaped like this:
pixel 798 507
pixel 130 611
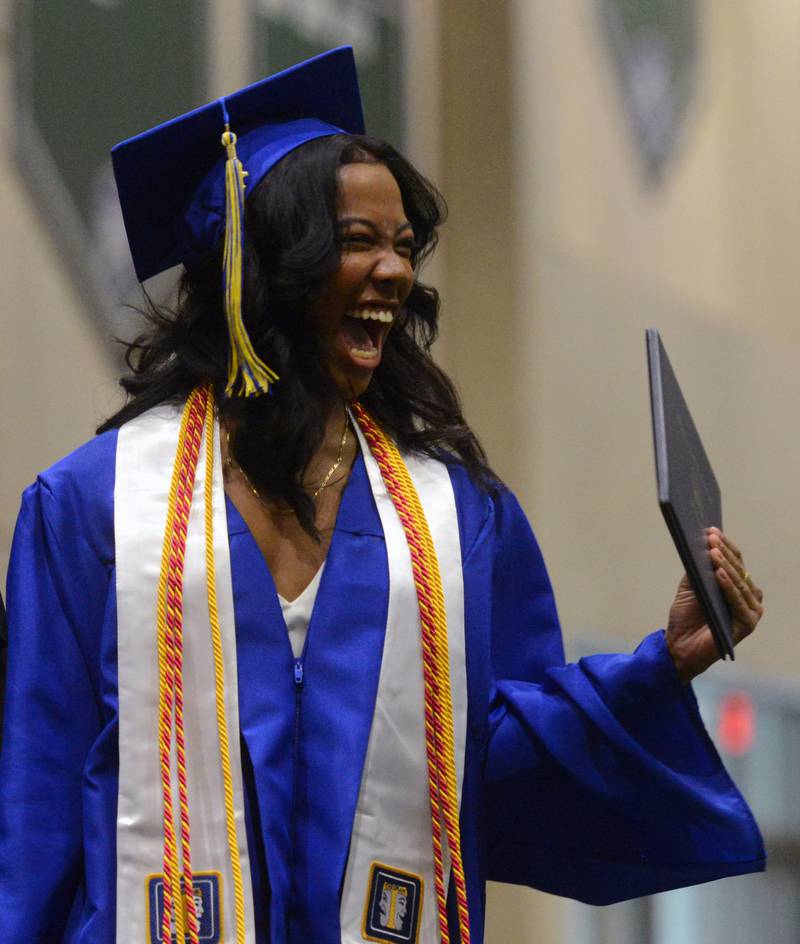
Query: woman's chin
pixel 352 372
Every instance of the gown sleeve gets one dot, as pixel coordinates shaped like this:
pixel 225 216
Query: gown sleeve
pixel 57 587
pixel 602 783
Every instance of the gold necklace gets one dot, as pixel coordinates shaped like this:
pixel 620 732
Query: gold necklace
pixel 230 464
pixel 335 466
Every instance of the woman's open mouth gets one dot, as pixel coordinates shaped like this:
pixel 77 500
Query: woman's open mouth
pixel 363 331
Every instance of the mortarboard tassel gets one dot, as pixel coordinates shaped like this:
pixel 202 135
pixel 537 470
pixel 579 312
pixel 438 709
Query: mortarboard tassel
pixel 248 375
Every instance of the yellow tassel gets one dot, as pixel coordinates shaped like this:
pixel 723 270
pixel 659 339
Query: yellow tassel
pixel 248 375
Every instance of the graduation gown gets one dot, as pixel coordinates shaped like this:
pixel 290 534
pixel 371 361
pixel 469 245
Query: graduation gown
pixel 595 780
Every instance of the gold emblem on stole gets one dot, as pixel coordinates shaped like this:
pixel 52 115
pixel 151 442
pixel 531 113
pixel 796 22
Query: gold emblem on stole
pixel 393 906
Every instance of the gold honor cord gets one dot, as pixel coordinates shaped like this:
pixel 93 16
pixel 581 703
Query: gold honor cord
pixel 197 425
pixel 219 676
pixel 436 666
pixel 178 889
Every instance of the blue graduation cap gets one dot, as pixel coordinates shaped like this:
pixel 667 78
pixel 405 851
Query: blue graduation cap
pixel 180 194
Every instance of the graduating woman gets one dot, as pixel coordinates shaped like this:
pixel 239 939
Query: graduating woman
pixel 285 664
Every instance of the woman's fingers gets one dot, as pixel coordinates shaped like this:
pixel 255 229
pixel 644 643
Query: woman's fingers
pixel 745 616
pixel 731 553
pixel 726 542
pixel 689 640
pixel 716 539
pixel 738 578
pixel 740 591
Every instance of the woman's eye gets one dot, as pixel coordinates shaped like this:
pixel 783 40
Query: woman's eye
pixel 356 240
pixel 405 248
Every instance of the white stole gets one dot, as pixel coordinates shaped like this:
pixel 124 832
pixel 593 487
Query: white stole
pixel 392 824
pixel 146 450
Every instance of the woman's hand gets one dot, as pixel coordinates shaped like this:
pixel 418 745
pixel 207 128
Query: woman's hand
pixel 689 638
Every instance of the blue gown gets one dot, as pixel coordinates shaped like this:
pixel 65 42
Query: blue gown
pixel 595 780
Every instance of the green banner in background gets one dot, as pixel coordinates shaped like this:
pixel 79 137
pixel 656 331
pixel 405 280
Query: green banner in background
pixel 654 47
pixel 288 31
pixel 89 73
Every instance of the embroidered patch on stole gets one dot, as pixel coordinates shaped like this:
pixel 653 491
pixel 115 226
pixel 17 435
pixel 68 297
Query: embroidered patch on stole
pixel 394 904
pixel 207 904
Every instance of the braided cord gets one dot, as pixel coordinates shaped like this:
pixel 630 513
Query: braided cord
pixel 440 742
pixel 175 608
pixel 165 690
pixel 170 649
pixel 219 677
pixel 430 677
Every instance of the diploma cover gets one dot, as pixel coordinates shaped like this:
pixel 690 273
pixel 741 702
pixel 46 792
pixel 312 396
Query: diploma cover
pixel 687 489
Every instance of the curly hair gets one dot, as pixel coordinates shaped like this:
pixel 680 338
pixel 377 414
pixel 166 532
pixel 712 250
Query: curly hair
pixel 292 245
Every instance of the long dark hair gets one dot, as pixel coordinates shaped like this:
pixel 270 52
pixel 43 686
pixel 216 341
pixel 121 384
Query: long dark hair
pixel 291 246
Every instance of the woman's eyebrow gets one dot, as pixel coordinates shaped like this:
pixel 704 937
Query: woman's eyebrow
pixel 349 220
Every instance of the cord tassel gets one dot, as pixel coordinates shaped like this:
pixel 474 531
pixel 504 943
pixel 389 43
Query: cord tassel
pixel 248 375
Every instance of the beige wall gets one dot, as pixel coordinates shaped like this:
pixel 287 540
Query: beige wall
pixel 707 258
pixel 481 318
pixel 558 257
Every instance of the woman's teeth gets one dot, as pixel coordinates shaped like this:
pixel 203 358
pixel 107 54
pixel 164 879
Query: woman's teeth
pixel 364 337
pixel 372 314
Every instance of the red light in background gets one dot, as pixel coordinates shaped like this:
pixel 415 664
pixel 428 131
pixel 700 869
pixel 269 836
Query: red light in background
pixel 736 727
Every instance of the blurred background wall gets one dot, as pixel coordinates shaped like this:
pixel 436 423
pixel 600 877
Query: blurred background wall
pixel 609 165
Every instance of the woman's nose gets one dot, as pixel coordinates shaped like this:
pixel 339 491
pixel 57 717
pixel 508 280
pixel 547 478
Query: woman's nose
pixel 392 267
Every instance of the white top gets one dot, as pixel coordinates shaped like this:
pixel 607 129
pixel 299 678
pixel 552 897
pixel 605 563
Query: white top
pixel 297 613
